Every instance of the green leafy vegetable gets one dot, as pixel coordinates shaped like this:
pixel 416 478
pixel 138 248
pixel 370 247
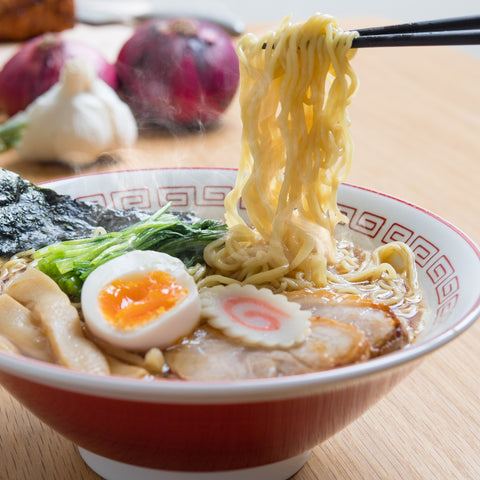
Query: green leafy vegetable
pixel 70 262
pixel 11 132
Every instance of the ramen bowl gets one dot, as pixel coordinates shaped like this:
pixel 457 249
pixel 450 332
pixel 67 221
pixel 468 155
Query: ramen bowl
pixel 256 429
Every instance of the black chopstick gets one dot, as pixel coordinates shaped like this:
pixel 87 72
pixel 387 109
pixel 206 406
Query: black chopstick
pixel 440 25
pixel 418 39
pixel 445 31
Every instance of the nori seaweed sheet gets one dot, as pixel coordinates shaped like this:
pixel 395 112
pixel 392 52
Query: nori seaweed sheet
pixel 33 216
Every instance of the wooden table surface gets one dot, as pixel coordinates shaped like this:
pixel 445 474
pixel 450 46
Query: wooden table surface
pixel 416 127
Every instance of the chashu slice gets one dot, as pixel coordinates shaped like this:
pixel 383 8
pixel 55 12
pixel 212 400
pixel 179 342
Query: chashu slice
pixel 209 355
pixel 381 327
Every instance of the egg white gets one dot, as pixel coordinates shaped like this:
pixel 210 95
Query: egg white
pixel 161 332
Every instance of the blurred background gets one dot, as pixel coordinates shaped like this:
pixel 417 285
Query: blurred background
pixel 404 10
pixel 248 12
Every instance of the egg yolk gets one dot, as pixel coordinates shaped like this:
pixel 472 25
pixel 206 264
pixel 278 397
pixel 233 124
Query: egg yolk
pixel 129 303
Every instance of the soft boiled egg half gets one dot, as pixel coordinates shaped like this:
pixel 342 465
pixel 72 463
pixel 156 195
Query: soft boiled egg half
pixel 140 300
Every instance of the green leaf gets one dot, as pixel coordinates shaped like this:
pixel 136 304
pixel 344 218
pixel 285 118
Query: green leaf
pixel 12 130
pixel 70 262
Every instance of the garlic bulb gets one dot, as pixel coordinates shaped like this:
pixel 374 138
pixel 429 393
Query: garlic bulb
pixel 77 119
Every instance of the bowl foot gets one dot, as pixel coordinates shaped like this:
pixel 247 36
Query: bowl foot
pixel 113 470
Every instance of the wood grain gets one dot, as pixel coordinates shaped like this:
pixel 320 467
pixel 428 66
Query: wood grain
pixel 416 126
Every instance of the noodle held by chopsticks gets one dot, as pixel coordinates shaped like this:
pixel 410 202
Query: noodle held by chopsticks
pixel 296 150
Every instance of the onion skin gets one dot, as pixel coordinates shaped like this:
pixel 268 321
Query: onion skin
pixel 178 73
pixel 36 66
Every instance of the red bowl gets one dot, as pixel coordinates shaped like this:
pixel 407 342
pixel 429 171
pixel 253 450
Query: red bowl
pixel 263 428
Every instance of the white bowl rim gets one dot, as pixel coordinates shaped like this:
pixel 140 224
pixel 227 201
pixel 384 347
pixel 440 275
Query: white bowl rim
pixel 237 391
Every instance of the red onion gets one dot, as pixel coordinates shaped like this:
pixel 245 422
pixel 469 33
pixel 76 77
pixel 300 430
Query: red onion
pixel 178 72
pixel 36 66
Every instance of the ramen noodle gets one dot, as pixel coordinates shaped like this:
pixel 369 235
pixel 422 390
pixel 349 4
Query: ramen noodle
pixel 296 84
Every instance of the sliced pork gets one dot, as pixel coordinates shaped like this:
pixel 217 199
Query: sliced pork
pixel 209 355
pixel 381 327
